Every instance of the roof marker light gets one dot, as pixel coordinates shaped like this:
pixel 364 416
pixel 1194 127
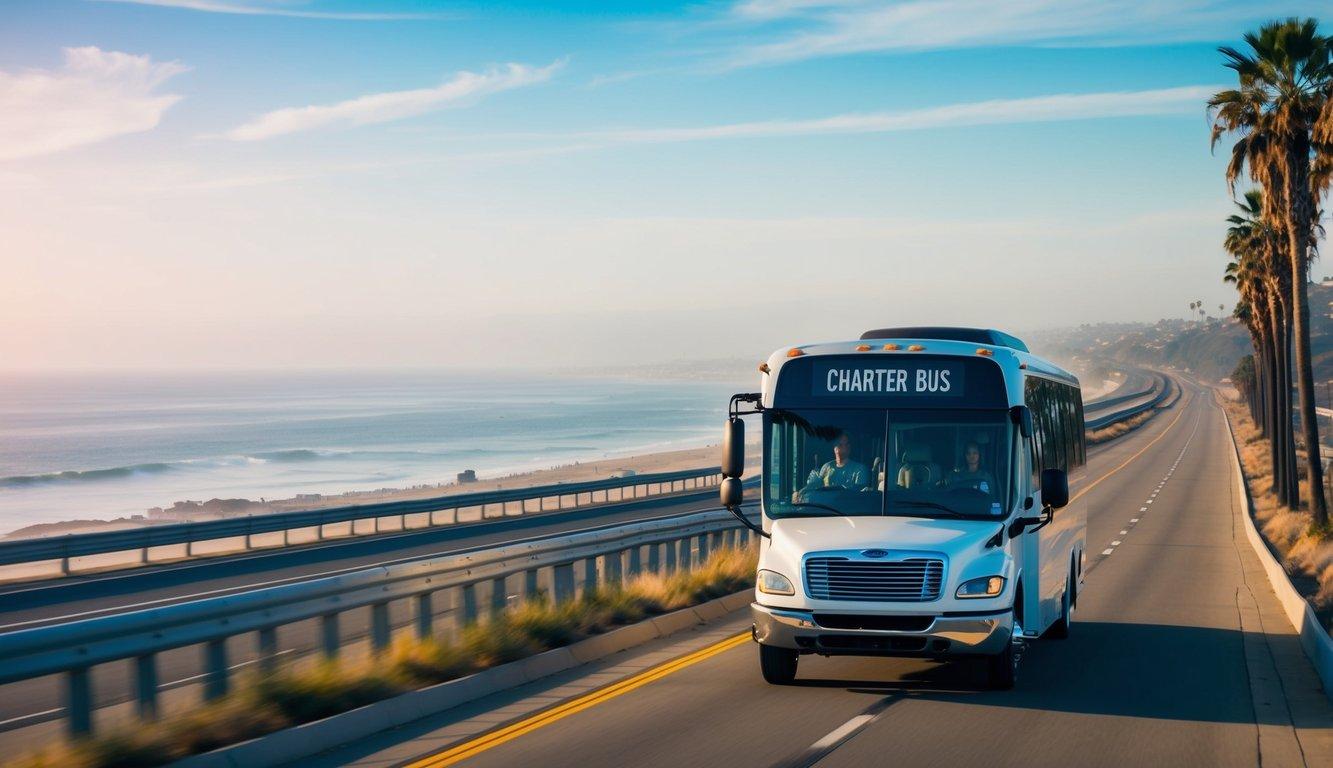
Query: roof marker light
pixel 893 347
pixel 763 368
pixel 985 352
pixel 915 348
pixel 862 347
pixel 795 352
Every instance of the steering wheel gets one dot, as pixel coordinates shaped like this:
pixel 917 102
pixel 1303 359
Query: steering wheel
pixel 826 488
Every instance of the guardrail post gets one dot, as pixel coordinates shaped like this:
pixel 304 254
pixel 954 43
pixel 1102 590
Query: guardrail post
pixel 589 575
pixel 562 578
pixel 499 594
pixel 329 639
pixel 143 555
pixel 719 540
pixel 703 548
pixel 145 685
pixel 469 594
pixel 531 584
pixel 654 558
pixel 379 626
pixel 670 551
pixel 268 649
pixel 635 566
pixel 425 616
pixel 64 558
pixel 611 566
pixel 215 669
pixel 249 526
pixel 79 690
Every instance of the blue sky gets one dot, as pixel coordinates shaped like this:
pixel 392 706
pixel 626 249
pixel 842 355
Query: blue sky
pixel 261 183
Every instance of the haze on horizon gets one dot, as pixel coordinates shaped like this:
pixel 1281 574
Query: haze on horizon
pixel 266 184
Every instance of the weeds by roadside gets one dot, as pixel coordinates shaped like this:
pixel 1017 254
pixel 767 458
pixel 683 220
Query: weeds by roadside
pixel 262 705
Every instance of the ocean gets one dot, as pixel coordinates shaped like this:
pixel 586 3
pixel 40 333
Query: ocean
pixel 109 445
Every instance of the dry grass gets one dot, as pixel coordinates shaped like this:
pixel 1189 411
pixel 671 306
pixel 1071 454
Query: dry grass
pixel 1303 551
pixel 1120 428
pixel 261 705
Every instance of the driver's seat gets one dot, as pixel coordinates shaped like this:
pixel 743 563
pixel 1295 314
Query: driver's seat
pixel 918 471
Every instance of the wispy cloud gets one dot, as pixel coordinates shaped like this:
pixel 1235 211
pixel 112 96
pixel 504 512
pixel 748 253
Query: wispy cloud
pixel 261 8
pixel 805 29
pixel 94 96
pixel 1037 109
pixel 393 105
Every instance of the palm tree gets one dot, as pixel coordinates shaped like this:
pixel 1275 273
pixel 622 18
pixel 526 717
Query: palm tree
pixel 1284 87
pixel 1258 274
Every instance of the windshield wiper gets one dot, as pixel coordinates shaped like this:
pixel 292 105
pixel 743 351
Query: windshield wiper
pixel 817 505
pixel 929 504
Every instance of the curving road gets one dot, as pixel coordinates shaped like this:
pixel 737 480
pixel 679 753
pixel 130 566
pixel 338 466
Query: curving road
pixel 1179 656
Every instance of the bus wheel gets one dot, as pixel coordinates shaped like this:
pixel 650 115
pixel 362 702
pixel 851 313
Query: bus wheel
pixel 1002 668
pixel 778 664
pixel 1060 629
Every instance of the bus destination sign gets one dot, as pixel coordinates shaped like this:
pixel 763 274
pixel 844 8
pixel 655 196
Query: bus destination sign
pixel 923 379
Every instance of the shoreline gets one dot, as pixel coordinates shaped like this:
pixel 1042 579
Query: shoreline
pixel 577 471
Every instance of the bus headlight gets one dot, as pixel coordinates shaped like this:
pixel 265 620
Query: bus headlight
pixel 986 586
pixel 774 583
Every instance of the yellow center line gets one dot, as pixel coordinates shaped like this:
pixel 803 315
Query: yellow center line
pixel 544 718
pixel 1135 456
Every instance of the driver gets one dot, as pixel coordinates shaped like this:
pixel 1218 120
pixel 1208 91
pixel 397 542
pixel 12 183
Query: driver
pixel 842 472
pixel 972 474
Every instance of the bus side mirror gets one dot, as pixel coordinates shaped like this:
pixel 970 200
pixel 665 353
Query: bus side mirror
pixel 733 493
pixel 1021 416
pixel 733 449
pixel 1054 488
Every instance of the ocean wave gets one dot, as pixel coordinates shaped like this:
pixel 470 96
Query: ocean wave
pixel 86 475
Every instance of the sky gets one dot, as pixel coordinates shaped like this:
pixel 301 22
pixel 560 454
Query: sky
pixel 201 184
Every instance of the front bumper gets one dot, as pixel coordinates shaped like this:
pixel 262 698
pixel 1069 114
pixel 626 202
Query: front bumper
pixel 973 634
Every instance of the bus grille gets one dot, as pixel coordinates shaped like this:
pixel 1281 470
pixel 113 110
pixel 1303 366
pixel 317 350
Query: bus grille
pixel 914 580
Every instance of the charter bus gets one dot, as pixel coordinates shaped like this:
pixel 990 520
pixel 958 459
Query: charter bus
pixel 915 499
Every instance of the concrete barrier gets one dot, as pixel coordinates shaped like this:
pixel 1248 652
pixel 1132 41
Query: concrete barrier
pixel 1315 639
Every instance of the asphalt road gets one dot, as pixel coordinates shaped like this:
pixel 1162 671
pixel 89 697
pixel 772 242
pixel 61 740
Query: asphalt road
pixel 1160 669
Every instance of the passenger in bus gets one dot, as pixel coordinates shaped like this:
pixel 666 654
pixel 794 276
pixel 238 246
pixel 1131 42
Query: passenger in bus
pixel 843 472
pixel 972 474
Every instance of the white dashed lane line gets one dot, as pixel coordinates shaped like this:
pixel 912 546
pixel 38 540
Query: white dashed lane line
pixel 1134 520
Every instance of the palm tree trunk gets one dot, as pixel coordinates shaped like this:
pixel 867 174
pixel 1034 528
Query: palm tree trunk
pixel 1278 436
pixel 1298 241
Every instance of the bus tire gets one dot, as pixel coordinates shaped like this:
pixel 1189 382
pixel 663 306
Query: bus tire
pixel 778 664
pixel 1002 669
pixel 1060 629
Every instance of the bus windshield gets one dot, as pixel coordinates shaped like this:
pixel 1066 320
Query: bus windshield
pixel 918 463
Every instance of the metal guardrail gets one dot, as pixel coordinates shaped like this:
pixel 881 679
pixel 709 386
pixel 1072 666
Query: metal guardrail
pixel 1163 386
pixel 603 556
pixel 1106 402
pixel 63 548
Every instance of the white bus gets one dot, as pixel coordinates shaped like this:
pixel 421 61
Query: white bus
pixel 916 488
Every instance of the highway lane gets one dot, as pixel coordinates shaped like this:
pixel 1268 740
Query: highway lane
pixel 1157 671
pixel 37 703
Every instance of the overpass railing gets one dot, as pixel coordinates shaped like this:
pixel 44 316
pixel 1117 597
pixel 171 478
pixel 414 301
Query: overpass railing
pixel 342 521
pixel 557 566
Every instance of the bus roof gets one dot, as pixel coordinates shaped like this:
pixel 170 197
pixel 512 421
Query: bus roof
pixel 1014 363
pixel 973 335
